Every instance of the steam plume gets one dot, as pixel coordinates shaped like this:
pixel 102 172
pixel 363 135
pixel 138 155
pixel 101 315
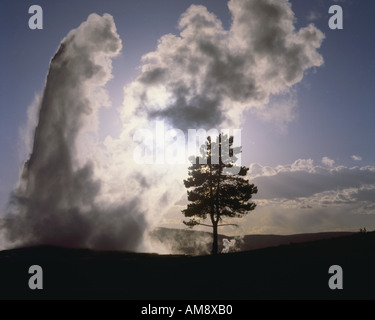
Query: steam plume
pixel 56 198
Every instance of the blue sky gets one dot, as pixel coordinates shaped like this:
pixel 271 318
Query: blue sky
pixel 329 114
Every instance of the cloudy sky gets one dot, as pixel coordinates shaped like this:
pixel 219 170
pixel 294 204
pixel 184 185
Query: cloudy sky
pixel 301 93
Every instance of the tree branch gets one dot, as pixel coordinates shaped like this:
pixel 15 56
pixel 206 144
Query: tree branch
pixel 228 224
pixel 219 225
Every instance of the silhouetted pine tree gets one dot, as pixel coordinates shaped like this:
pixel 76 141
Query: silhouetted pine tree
pixel 215 193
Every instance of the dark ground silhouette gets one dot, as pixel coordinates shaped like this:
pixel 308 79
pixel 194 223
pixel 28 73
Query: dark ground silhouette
pixel 296 271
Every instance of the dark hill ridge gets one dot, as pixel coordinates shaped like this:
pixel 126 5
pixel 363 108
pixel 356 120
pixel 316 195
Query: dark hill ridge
pixel 296 271
pixel 192 242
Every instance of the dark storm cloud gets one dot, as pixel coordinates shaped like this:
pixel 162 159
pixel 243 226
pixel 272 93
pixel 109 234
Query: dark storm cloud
pixel 55 202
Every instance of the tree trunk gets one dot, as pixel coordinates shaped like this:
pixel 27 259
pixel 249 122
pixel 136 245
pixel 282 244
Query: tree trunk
pixel 215 247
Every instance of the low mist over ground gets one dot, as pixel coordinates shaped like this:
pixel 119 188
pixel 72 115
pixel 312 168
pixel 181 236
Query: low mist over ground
pixel 179 241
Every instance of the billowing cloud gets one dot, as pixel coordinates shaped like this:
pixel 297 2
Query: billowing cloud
pixel 305 197
pixel 271 218
pixel 356 158
pixel 328 162
pixel 56 201
pixel 207 76
pixel 304 179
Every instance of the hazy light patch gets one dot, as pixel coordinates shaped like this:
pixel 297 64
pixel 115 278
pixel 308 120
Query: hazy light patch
pixel 281 110
pixel 314 16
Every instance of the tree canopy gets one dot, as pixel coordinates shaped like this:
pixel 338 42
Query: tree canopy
pixel 217 187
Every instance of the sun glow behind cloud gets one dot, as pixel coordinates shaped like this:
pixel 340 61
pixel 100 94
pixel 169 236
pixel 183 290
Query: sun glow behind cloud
pixel 204 77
